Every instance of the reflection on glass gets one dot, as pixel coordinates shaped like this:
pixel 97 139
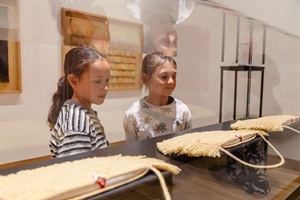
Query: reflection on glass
pixel 79 28
pixel 159 19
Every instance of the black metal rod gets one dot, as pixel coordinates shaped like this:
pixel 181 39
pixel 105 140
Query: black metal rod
pixel 221 97
pixel 264 47
pixel 248 93
pixel 250 43
pixel 237 41
pixel 261 92
pixel 235 95
pixel 223 37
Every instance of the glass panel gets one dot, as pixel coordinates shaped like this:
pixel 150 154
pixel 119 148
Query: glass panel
pixel 201 36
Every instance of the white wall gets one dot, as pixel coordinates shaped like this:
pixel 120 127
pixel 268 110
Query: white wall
pixel 284 15
pixel 24 133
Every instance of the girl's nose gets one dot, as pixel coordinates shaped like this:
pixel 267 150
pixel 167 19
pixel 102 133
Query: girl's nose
pixel 171 80
pixel 105 87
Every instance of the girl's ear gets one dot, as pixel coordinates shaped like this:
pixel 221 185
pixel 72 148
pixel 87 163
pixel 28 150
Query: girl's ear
pixel 73 80
pixel 144 79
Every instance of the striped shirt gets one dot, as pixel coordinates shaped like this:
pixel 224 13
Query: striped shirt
pixel 77 130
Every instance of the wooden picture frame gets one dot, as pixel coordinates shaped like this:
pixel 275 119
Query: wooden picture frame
pixel 10 48
pixel 120 40
pixel 14 67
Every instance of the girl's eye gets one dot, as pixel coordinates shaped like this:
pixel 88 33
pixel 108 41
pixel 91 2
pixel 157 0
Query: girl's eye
pixel 98 82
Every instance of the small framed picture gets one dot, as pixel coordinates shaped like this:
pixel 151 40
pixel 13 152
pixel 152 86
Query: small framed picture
pixel 10 65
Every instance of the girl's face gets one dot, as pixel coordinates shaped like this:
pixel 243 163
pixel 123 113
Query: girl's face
pixel 92 86
pixel 163 80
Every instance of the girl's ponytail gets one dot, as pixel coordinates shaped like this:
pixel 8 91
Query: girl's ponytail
pixel 64 92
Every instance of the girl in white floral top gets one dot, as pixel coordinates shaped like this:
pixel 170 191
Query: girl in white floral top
pixel 157 113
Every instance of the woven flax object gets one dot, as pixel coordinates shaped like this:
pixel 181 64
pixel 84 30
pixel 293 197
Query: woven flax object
pixel 81 178
pixel 211 143
pixel 274 123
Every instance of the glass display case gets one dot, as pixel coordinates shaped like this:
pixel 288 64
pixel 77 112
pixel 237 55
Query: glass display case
pixel 201 36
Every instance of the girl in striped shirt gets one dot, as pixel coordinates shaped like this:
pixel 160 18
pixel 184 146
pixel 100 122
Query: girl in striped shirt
pixel 74 125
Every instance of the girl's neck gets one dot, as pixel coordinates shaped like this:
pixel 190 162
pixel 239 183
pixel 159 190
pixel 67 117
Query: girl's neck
pixel 160 101
pixel 85 104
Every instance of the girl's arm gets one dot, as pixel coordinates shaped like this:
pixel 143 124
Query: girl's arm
pixel 130 129
pixel 187 119
pixel 53 146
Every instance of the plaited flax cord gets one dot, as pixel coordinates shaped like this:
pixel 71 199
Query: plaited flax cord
pixel 273 123
pixel 81 178
pixel 211 143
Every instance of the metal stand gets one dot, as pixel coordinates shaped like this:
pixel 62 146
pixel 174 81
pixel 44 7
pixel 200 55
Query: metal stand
pixel 236 69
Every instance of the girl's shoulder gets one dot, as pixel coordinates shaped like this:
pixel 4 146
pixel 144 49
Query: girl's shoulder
pixel 73 114
pixel 180 103
pixel 135 104
pixel 72 106
pixel 136 107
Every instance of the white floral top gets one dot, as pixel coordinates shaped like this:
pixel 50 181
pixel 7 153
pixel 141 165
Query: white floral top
pixel 143 120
